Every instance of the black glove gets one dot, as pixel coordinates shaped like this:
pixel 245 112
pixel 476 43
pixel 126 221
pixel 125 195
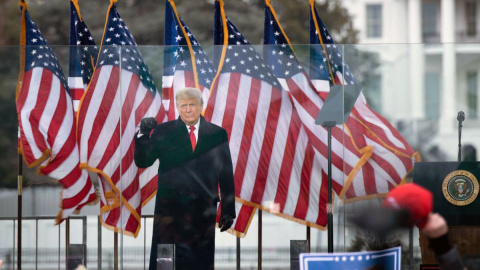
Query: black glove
pixel 147 124
pixel 225 223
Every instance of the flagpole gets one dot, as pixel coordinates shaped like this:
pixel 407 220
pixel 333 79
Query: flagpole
pixel 115 251
pixel 67 240
pixel 329 125
pixel 308 239
pixel 23 42
pixel 260 240
pixel 19 214
pixel 238 253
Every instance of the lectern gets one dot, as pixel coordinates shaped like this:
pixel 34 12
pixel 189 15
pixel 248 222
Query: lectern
pixel 455 189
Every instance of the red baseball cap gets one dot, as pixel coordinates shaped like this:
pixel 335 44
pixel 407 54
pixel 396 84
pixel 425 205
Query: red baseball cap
pixel 417 200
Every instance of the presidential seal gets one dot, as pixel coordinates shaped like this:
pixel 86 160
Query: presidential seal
pixel 460 188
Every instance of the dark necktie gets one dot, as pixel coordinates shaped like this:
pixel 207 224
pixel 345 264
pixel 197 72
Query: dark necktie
pixel 192 137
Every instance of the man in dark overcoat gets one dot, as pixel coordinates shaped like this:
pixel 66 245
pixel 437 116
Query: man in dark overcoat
pixel 195 172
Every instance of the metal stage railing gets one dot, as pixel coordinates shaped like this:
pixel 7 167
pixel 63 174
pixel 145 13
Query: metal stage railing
pixel 40 257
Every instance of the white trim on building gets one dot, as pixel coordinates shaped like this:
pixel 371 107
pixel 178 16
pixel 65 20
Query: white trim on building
pixel 429 51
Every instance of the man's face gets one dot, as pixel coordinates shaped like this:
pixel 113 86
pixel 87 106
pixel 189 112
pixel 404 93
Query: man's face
pixel 189 110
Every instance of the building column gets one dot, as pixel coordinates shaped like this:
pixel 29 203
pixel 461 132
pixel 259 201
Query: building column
pixel 414 21
pixel 416 59
pixel 448 114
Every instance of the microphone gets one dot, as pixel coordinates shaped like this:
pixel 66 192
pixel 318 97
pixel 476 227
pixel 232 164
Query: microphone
pixel 461 116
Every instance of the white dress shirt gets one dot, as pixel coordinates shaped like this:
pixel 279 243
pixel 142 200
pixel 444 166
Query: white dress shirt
pixel 197 126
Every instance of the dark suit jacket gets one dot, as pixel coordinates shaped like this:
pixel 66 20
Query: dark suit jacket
pixel 188 182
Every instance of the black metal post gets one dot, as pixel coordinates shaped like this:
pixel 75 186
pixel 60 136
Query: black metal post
pixel 19 213
pixel 99 244
pixel 67 240
pixel 144 243
pixel 84 238
pixel 308 239
pixel 329 205
pixel 115 251
pixel 260 240
pixel 238 253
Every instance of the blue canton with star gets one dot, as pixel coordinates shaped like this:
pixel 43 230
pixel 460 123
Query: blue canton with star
pixel 177 54
pixel 120 49
pixel 277 50
pixel 318 59
pixel 39 53
pixel 241 57
pixel 83 51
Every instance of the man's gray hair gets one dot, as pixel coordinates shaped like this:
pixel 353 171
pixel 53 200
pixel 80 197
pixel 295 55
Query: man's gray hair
pixel 189 92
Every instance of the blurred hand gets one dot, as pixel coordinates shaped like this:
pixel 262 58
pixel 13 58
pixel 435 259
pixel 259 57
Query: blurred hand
pixel 436 226
pixel 147 124
pixel 225 223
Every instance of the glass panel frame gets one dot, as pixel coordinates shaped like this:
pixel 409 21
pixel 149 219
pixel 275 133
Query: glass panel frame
pixel 398 70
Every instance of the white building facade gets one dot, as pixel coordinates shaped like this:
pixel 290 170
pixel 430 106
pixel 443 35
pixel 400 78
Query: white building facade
pixel 429 52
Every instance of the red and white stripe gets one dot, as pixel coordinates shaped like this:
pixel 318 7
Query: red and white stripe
pixel 345 157
pixel 109 115
pixel 47 136
pixel 77 88
pixel 391 157
pixel 272 156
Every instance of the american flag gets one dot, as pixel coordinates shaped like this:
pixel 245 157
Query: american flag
pixel 392 158
pixel 346 158
pixel 120 94
pixel 187 65
pixel 274 163
pixel 46 119
pixel 83 55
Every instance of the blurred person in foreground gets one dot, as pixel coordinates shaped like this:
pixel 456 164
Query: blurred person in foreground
pixel 195 172
pixel 411 205
pixel 418 204
pixel 436 230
